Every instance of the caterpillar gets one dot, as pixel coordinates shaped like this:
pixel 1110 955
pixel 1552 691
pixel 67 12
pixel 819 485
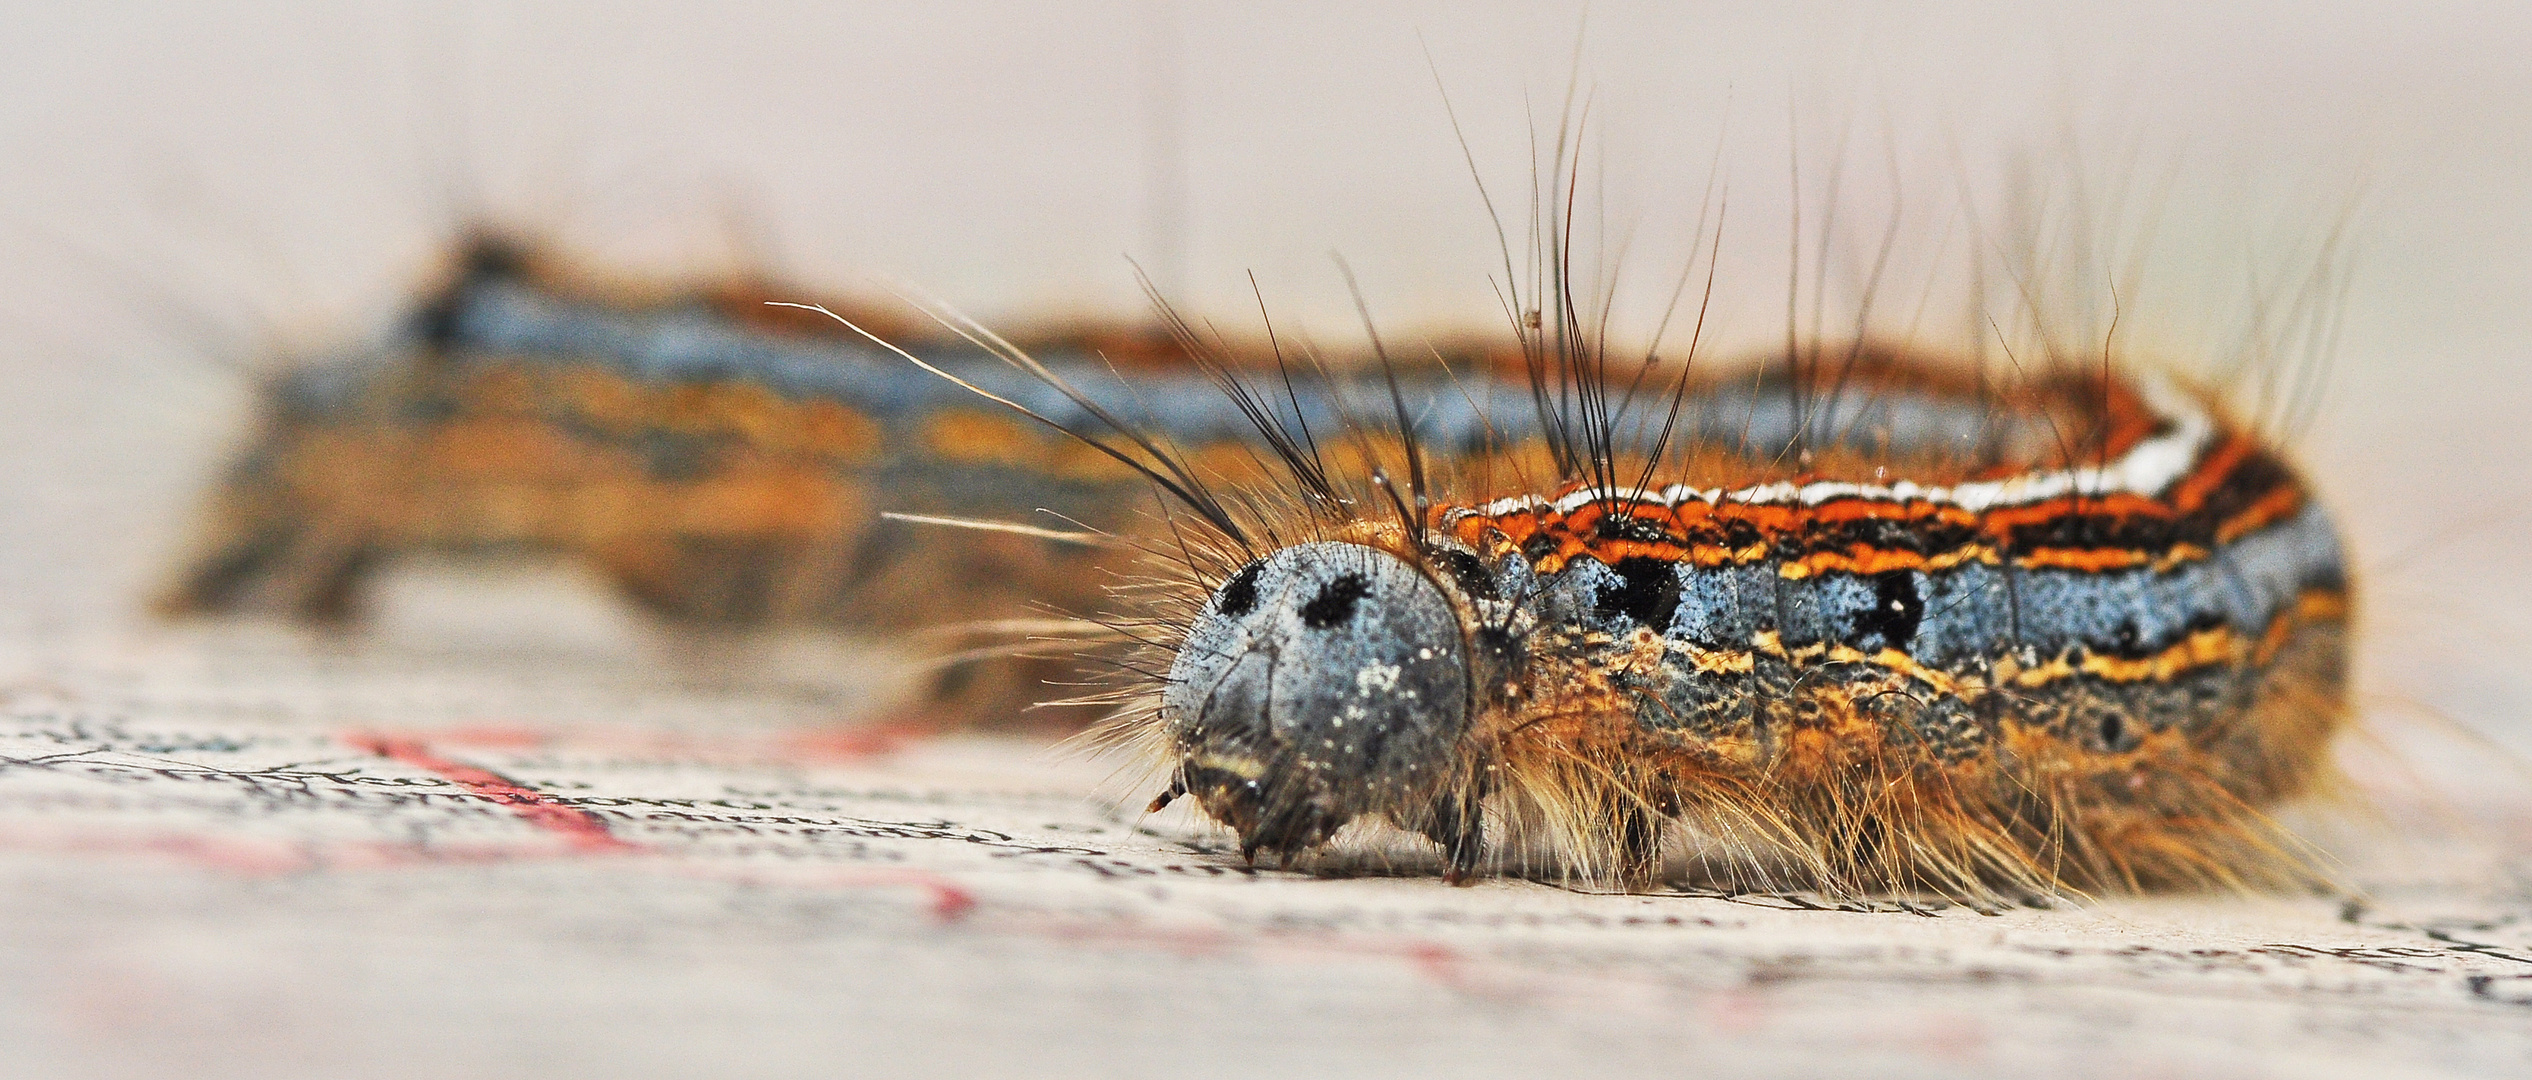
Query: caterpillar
pixel 1864 620
pixel 2074 636
pixel 1868 620
pixel 724 462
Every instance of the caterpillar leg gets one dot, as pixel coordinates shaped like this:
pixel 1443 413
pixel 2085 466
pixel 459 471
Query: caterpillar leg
pixel 1459 825
pixel 308 573
pixel 1639 839
pixel 727 581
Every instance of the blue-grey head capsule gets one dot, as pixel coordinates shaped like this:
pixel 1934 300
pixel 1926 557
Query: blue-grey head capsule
pixel 1321 683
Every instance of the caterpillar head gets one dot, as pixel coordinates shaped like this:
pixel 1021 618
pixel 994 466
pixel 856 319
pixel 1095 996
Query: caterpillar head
pixel 1321 683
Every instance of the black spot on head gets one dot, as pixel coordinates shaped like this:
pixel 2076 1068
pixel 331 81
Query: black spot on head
pixel 1336 601
pixel 1649 593
pixel 1239 595
pixel 1465 571
pixel 1895 614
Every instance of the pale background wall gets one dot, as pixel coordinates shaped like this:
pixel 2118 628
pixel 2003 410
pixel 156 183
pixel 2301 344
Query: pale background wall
pixel 179 180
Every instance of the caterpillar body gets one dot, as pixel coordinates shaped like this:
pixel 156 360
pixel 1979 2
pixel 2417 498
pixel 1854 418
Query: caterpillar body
pixel 727 462
pixel 1902 633
pixel 1861 620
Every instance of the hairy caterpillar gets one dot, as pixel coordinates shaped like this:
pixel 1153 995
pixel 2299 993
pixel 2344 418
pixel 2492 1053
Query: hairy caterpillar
pixel 726 462
pixel 1967 658
pixel 1858 619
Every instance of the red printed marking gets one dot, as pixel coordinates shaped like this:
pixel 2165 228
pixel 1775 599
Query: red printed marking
pixel 951 901
pixel 493 737
pixel 852 743
pixel 581 829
